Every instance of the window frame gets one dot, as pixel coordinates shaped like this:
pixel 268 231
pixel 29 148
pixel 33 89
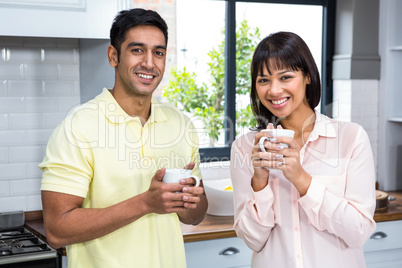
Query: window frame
pixel 328 34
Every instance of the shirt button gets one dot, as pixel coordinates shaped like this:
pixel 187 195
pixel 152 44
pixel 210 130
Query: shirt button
pixel 298 256
pixel 294 202
pixel 296 229
pixel 304 204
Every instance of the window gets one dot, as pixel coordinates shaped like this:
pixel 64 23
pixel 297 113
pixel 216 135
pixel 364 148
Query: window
pixel 206 71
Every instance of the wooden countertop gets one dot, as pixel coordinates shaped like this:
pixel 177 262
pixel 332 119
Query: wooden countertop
pixel 212 227
pixel 394 210
pixel 216 227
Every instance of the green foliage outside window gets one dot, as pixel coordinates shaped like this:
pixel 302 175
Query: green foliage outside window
pixel 206 102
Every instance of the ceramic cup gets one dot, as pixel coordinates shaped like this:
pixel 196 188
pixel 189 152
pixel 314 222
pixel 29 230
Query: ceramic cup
pixel 279 132
pixel 174 175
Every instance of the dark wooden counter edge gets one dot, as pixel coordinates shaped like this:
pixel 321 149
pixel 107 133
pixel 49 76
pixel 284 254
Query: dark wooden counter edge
pixel 394 210
pixel 214 227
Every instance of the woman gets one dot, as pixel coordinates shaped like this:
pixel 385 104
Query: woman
pixel 312 204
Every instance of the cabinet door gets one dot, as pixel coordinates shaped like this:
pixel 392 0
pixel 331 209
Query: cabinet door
pixel 59 18
pixel 218 253
pixel 384 248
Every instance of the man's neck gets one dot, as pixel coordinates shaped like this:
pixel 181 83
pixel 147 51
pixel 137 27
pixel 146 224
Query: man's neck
pixel 134 105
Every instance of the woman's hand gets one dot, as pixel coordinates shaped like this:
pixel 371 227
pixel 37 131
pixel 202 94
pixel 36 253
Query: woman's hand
pixel 290 163
pixel 261 161
pixel 278 157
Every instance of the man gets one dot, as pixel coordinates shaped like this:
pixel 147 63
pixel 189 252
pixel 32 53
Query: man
pixel 102 192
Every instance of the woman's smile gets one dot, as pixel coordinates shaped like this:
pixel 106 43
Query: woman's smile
pixel 279 103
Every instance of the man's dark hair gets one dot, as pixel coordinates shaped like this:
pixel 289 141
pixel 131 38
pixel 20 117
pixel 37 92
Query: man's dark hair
pixel 127 19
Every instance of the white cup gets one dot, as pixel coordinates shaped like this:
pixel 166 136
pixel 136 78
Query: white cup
pixel 277 132
pixel 174 175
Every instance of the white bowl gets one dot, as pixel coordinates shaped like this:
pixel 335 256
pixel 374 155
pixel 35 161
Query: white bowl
pixel 220 201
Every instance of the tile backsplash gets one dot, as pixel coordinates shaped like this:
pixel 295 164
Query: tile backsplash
pixel 39 84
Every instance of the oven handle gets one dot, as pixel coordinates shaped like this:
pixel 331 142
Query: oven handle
pixel 29 257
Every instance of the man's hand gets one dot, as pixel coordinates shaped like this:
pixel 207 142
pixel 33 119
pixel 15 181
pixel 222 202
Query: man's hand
pixel 163 197
pixel 183 198
pixel 194 200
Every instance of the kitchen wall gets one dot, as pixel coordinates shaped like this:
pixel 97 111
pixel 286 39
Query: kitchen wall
pixel 356 71
pixel 357 101
pixel 39 84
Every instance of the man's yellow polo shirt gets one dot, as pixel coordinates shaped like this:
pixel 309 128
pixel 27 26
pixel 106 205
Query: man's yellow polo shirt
pixel 106 156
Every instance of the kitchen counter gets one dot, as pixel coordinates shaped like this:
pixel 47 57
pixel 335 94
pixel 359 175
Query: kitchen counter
pixel 216 227
pixel 394 210
pixel 212 227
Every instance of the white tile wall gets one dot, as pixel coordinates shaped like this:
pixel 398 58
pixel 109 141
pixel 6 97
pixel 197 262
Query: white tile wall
pixel 2 87
pixel 38 137
pixel 4 188
pixel 25 187
pixel 3 155
pixel 11 71
pixel 3 121
pixel 39 84
pixel 22 54
pixel 12 138
pixel 11 105
pixel 24 88
pixel 357 101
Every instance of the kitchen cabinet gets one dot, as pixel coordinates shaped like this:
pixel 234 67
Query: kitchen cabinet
pixel 59 18
pixel 384 248
pixel 218 253
pixel 390 96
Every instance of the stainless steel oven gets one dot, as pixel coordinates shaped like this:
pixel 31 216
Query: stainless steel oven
pixel 21 248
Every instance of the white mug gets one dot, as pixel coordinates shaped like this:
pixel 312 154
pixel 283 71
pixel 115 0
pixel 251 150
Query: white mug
pixel 277 132
pixel 174 175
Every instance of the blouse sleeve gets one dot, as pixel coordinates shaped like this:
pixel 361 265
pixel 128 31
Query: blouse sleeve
pixel 349 217
pixel 254 215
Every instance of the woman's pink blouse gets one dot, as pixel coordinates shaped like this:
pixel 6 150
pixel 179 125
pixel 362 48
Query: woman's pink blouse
pixel 330 224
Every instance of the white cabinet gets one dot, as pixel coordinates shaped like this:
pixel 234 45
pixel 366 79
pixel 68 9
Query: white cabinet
pixel 390 96
pixel 384 248
pixel 59 18
pixel 218 253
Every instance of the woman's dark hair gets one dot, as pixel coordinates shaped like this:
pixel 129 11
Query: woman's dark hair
pixel 283 50
pixel 127 19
